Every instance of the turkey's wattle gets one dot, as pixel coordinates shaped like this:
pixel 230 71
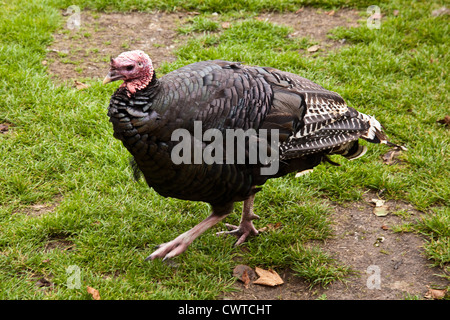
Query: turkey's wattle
pixel 311 123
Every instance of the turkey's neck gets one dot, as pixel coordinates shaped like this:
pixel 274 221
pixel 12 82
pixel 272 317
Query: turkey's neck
pixel 128 112
pixel 146 83
pixel 140 83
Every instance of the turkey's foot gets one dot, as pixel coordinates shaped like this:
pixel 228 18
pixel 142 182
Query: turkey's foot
pixel 170 249
pixel 181 243
pixel 242 232
pixel 245 228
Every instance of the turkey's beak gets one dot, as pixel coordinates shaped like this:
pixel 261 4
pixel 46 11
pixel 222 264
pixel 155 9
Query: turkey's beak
pixel 112 76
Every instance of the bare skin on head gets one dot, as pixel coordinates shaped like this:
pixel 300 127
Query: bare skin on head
pixel 135 68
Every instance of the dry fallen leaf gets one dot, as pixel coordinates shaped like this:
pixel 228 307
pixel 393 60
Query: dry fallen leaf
pixel 4 127
pixel 270 227
pixel 313 48
pixel 274 226
pixel 391 157
pixel 80 85
pixel 244 273
pixel 226 25
pixel 268 277
pixel 43 282
pixel 440 12
pixel 395 13
pixel 380 210
pixel 445 121
pixel 94 293
pixel 299 10
pixel 435 293
pixel 245 279
pixel 330 13
pixel 378 202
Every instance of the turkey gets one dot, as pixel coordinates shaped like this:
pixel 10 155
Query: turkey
pixel 302 122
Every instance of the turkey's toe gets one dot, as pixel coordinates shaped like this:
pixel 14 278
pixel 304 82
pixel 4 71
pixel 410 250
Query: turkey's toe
pixel 242 232
pixel 168 250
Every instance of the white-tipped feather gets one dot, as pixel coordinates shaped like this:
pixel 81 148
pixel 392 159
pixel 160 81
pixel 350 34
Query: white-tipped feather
pixel 374 126
pixel 302 173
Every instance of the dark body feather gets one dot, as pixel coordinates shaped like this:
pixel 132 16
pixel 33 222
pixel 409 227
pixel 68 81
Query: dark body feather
pixel 312 123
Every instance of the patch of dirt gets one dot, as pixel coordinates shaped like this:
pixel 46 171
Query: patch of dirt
pixel 316 24
pixel 59 244
pixel 85 52
pixel 387 265
pixel 39 209
pixel 4 127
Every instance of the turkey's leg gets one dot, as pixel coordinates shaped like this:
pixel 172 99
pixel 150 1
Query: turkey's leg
pixel 181 243
pixel 245 227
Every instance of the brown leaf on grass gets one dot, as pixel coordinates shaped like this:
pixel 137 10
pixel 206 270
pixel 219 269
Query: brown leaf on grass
pixel 313 48
pixel 245 279
pixel 94 293
pixel 270 227
pixel 268 278
pixel 244 273
pixel 274 226
pixel 226 25
pixel 4 127
pixel 440 12
pixel 395 13
pixel 391 157
pixel 80 85
pixel 330 13
pixel 299 10
pixel 435 293
pixel 445 121
pixel 43 282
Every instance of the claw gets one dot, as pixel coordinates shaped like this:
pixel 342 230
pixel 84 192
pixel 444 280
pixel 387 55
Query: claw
pixel 170 249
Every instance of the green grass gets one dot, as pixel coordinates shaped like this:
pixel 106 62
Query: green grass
pixel 198 24
pixel 61 147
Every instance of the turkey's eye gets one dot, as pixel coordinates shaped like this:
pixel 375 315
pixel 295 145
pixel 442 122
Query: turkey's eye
pixel 129 68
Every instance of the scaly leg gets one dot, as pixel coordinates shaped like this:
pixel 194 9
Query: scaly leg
pixel 181 243
pixel 246 227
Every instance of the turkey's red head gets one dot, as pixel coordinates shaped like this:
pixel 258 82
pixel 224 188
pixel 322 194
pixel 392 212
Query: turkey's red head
pixel 135 68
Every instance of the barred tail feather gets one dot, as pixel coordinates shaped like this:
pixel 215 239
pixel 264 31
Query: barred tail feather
pixel 375 133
